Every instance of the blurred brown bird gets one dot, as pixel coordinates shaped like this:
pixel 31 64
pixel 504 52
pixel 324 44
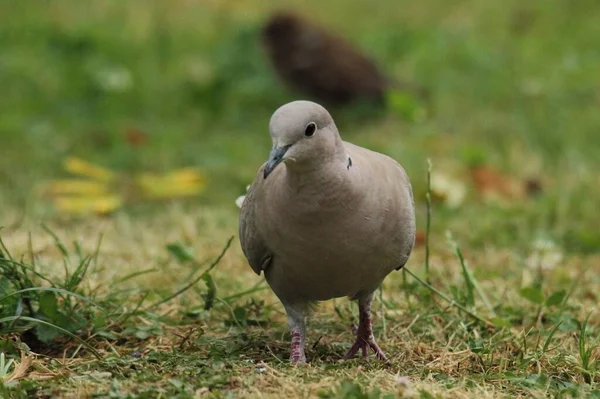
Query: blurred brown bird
pixel 320 64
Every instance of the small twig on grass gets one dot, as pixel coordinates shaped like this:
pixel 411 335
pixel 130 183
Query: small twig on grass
pixel 190 285
pixel 186 337
pixel 317 342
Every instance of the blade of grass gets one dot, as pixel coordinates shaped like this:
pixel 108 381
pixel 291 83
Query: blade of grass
pixel 25 267
pixel 30 250
pixel 257 287
pixel 5 250
pixel 4 366
pixel 383 321
pixel 574 285
pixel 57 290
pixel 78 249
pixel 97 250
pixel 134 275
pixel 470 286
pixel 190 285
pixel 125 316
pixel 428 226
pixel 232 313
pixel 61 247
pixel 549 339
pixel 62 330
pixel 79 273
pixel 470 279
pixel 585 354
pixel 209 297
pixel 452 302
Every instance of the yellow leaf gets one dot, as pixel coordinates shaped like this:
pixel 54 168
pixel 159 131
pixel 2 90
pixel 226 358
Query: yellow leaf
pixel 179 183
pixel 161 189
pixel 75 186
pixel 90 204
pixel 185 175
pixel 146 181
pixel 78 166
pixel 172 192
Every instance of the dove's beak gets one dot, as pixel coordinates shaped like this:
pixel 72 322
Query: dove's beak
pixel 275 158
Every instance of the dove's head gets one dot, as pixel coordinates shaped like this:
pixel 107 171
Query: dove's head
pixel 304 137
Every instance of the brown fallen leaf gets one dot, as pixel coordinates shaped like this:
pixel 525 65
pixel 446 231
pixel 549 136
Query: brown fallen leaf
pixel 20 369
pixel 420 238
pixel 493 185
pixel 135 137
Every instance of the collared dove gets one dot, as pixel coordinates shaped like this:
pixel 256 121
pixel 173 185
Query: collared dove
pixel 325 219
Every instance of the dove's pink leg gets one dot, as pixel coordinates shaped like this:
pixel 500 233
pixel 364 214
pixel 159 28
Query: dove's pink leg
pixel 297 322
pixel 364 334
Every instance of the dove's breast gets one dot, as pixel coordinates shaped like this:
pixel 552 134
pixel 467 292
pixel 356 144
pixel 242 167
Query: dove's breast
pixel 340 235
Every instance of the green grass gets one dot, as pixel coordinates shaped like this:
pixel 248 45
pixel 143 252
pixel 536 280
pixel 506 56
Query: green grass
pixel 513 86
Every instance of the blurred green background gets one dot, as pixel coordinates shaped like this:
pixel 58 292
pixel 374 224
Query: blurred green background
pixel 514 85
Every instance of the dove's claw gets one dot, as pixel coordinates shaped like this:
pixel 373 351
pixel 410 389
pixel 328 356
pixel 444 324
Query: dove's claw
pixel 364 333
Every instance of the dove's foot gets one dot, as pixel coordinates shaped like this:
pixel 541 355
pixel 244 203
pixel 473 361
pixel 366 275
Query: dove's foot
pixel 364 332
pixel 364 344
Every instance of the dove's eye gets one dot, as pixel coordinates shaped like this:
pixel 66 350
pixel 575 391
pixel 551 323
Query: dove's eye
pixel 311 128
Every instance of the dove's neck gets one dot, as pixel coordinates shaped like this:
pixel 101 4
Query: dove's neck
pixel 326 177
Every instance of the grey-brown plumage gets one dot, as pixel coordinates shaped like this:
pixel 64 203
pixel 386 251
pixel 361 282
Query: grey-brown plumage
pixel 322 65
pixel 325 219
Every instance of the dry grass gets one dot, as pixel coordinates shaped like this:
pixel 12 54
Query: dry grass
pixel 437 349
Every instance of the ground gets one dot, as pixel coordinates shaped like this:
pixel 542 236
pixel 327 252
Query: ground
pixel 500 301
